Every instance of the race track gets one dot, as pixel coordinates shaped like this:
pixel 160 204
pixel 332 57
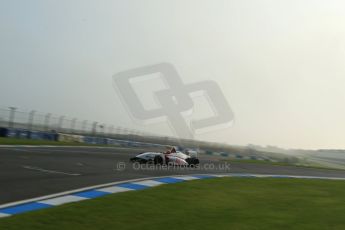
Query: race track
pixel 28 172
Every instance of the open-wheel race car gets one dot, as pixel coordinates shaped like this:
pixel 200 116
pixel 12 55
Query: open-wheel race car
pixel 172 157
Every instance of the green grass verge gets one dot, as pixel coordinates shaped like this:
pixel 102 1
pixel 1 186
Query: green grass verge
pixel 305 165
pixel 224 203
pixel 16 141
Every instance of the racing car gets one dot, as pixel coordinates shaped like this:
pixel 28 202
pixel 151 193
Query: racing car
pixel 176 158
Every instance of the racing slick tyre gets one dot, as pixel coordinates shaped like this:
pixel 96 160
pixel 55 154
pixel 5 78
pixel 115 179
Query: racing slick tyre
pixel 158 160
pixel 193 162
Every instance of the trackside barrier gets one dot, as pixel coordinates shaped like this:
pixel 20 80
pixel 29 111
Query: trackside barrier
pixel 3 132
pixel 64 137
pixel 36 135
pixel 18 133
pixel 95 140
pixel 123 143
pixel 70 138
pixel 26 134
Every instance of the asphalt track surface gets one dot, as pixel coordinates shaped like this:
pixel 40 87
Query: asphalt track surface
pixel 29 172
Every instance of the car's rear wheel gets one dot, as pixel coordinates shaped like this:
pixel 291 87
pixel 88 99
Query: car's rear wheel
pixel 158 160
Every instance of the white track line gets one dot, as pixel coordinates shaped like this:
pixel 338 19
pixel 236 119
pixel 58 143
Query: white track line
pixel 186 177
pixel 63 200
pixel 4 215
pixel 49 171
pixel 149 183
pixel 114 189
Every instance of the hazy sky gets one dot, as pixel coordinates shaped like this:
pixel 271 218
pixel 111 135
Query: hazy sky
pixel 280 64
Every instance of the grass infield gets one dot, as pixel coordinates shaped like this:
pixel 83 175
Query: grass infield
pixel 222 203
pixel 304 165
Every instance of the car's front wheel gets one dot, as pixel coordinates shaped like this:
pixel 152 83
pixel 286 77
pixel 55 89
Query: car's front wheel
pixel 193 162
